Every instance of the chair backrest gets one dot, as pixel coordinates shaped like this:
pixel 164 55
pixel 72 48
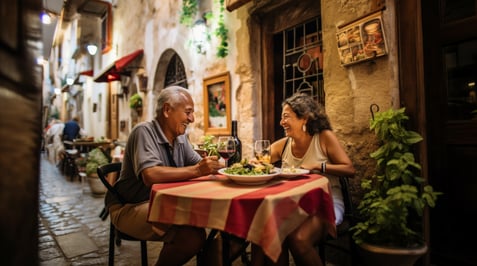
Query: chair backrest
pixel 107 169
pixel 347 200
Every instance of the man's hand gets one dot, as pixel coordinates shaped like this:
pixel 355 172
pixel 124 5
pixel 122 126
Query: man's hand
pixel 209 165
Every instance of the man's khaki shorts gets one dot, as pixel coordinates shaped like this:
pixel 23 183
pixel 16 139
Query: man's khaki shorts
pixel 131 219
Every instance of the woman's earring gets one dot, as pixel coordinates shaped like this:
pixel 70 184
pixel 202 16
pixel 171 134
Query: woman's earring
pixel 303 127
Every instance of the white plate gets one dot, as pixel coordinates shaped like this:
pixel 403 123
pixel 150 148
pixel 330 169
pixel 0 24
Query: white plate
pixel 293 172
pixel 250 179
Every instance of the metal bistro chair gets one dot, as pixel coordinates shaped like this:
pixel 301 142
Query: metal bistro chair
pixel 115 236
pixel 344 242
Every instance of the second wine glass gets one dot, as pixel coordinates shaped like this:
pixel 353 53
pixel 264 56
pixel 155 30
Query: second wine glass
pixel 226 148
pixel 262 150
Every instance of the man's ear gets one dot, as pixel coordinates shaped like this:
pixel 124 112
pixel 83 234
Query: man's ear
pixel 166 109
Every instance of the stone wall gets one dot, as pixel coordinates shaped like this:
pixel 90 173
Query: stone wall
pixel 350 91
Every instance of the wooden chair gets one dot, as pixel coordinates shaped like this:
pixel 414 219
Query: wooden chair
pixel 115 236
pixel 344 242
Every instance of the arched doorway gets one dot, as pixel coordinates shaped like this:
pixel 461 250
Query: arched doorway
pixel 170 71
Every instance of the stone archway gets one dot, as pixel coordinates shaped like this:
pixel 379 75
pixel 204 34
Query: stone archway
pixel 170 71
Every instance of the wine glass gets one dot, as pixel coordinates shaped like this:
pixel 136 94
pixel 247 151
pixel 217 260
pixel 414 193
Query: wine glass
pixel 262 150
pixel 226 148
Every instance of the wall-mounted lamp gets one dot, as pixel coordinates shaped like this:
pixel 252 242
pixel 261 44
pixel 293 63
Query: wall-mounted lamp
pixel 92 49
pixel 45 18
pixel 70 80
pixel 125 82
pixel 142 82
pixel 200 35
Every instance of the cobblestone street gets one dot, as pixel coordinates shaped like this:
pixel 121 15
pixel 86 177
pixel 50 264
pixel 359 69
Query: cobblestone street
pixel 70 230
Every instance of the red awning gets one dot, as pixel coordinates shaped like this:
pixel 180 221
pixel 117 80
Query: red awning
pixel 114 71
pixel 86 73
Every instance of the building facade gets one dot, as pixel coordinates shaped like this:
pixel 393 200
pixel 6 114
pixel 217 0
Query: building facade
pixel 352 56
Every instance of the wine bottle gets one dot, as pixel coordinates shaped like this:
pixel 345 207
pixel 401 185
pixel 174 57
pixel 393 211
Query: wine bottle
pixel 237 157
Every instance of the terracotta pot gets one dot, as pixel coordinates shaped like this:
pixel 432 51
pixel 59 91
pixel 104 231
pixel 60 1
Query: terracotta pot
pixel 97 187
pixel 390 256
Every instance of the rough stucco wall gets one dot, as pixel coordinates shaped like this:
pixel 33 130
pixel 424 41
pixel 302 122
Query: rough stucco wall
pixel 243 82
pixel 351 90
pixel 155 27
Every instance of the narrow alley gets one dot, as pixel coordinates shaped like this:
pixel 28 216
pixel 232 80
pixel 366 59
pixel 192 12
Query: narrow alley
pixel 70 230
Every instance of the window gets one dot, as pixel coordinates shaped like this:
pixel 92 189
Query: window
pixel 175 74
pixel 303 60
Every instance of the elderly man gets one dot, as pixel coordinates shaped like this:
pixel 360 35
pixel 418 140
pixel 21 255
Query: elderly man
pixel 158 151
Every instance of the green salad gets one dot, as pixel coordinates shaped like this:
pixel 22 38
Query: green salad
pixel 246 168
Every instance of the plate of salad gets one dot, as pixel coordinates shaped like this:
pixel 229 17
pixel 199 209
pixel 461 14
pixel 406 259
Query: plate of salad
pixel 250 174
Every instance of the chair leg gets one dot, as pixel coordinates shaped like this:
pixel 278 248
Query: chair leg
pixel 104 214
pixel 225 249
pixel 321 252
pixel 245 259
pixel 143 253
pixel 112 236
pixel 200 257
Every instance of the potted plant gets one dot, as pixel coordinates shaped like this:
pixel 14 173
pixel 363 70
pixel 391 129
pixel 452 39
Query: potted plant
pixel 95 158
pixel 390 213
pixel 135 102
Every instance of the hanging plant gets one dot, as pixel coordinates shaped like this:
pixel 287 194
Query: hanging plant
pixel 189 11
pixel 135 101
pixel 222 33
pixel 187 18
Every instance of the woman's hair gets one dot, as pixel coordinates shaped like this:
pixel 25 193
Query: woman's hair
pixel 306 107
pixel 173 95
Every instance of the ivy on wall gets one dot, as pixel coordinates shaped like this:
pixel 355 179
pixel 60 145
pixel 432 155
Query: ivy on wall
pixel 222 32
pixel 189 10
pixel 187 18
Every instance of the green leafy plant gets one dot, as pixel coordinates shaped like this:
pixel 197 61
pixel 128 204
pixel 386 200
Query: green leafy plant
pixel 135 101
pixel 188 12
pixel 187 17
pixel 395 196
pixel 222 33
pixel 209 146
pixel 95 158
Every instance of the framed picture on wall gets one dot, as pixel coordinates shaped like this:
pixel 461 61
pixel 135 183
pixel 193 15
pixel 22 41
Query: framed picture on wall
pixel 217 109
pixel 361 40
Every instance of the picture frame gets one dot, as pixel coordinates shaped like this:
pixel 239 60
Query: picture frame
pixel 362 40
pixel 217 109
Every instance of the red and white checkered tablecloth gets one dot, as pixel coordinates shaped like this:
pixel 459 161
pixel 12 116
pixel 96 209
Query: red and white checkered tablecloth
pixel 263 214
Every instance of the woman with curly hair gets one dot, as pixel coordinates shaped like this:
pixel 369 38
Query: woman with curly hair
pixel 309 143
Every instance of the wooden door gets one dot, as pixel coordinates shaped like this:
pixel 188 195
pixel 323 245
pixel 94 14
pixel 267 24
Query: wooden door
pixel 294 18
pixel 450 63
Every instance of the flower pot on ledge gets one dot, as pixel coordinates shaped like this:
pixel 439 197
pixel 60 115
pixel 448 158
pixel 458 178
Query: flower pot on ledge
pixel 97 187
